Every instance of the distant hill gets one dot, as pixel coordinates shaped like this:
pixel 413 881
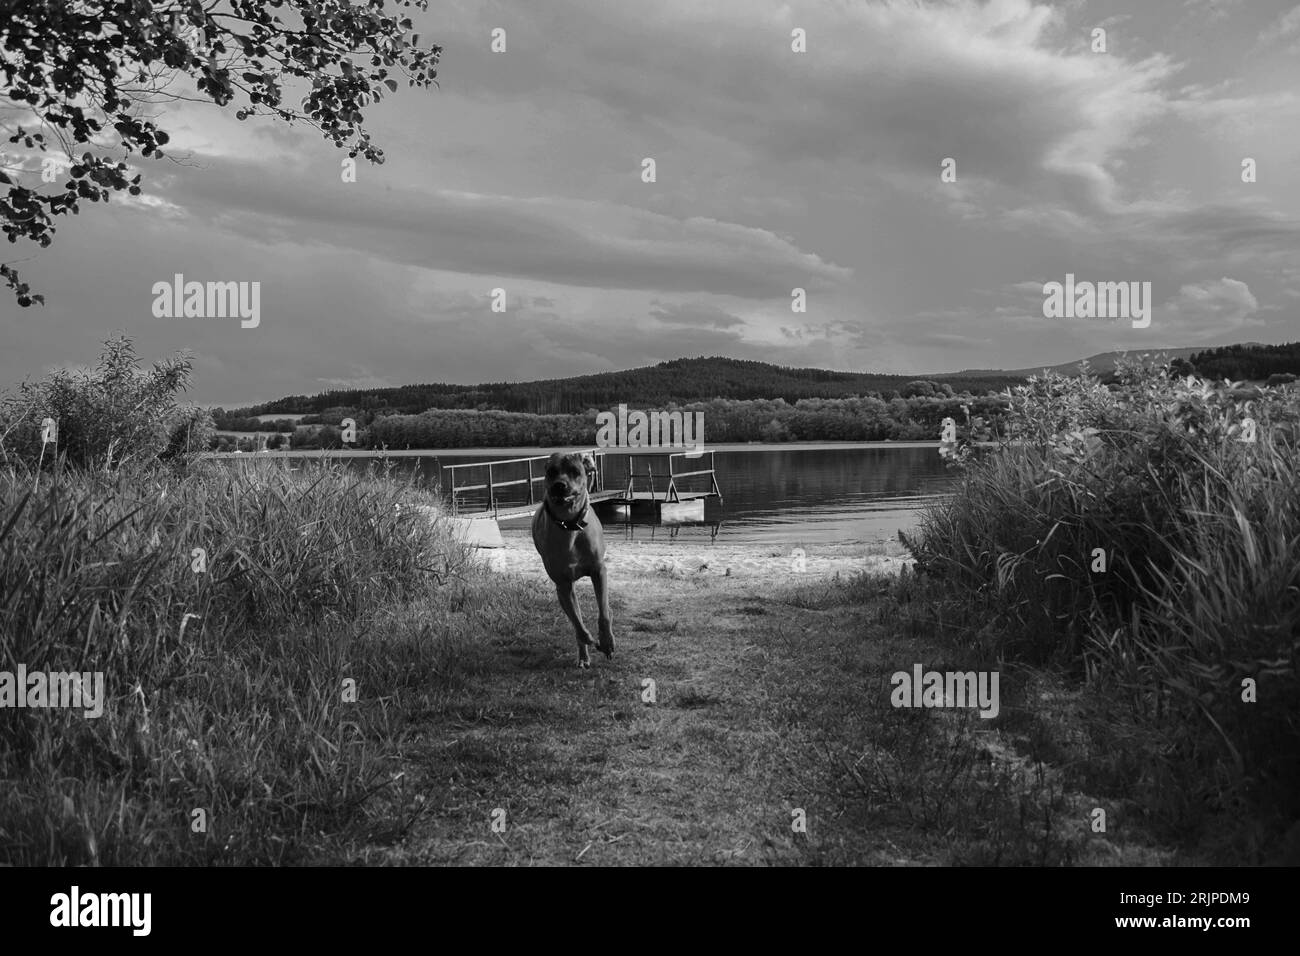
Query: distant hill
pixel 1251 361
pixel 701 379
pixel 1103 363
pixel 677 381
pixel 1247 362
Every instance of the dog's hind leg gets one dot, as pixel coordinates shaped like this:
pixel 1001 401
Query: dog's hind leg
pixel 604 624
pixel 564 589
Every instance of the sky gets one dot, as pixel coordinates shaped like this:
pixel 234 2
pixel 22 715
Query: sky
pixel 774 170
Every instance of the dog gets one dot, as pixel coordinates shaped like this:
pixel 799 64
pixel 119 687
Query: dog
pixel 571 542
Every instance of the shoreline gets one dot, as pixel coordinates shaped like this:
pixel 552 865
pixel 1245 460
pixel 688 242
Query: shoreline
pixel 630 560
pixel 538 451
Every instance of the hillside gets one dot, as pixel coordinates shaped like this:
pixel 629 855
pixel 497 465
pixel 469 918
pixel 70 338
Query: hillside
pixel 1249 361
pixel 677 381
pixel 681 381
pixel 1102 363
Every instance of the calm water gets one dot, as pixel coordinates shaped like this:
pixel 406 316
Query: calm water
pixel 770 495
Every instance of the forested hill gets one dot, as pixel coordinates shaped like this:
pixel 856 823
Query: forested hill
pixel 1249 362
pixel 678 381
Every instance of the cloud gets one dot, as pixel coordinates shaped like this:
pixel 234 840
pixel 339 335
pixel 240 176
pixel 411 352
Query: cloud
pixel 1215 9
pixel 576 242
pixel 889 86
pixel 1220 307
pixel 1288 24
pixel 362 380
pixel 1283 28
pixel 694 314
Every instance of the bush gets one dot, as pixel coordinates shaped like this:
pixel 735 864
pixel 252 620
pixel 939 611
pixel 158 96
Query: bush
pixel 223 606
pixel 113 414
pixel 222 667
pixel 1135 537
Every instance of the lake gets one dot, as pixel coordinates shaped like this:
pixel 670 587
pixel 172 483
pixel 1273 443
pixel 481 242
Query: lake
pixel 778 495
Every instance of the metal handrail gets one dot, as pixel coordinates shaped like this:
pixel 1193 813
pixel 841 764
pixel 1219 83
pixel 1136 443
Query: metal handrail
pixel 671 493
pixel 711 471
pixel 504 461
pixel 491 485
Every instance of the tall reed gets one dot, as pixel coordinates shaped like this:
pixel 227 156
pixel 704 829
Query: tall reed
pixel 225 609
pixel 1136 539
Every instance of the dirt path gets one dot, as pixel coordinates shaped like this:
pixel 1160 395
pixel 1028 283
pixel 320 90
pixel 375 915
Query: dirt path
pixel 770 697
pixel 588 770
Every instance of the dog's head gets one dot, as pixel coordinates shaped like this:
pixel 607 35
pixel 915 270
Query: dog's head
pixel 566 485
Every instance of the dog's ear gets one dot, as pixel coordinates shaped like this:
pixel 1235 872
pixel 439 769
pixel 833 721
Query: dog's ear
pixel 555 460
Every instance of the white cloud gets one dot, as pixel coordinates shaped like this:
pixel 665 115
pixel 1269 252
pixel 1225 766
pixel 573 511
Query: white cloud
pixel 1213 308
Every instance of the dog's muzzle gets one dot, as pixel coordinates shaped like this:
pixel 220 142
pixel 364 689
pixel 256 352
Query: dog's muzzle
pixel 566 499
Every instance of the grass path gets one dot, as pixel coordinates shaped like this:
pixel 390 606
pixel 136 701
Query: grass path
pixel 768 698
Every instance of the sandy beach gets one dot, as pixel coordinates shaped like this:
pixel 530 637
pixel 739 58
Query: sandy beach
pixel 628 560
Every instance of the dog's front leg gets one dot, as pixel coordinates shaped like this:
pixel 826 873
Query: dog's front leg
pixel 604 625
pixel 564 589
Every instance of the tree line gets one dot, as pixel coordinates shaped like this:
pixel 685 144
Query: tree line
pixel 861 418
pixel 676 382
pixel 1273 364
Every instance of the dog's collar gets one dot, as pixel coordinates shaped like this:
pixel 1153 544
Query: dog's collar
pixel 577 524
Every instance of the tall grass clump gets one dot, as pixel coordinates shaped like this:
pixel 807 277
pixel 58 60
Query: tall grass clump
pixel 225 607
pixel 1132 537
pixel 112 414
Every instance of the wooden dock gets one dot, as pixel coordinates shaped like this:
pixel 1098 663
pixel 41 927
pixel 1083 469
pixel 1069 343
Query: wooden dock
pixel 634 489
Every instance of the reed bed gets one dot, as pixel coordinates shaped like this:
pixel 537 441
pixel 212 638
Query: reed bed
pixel 227 610
pixel 1137 541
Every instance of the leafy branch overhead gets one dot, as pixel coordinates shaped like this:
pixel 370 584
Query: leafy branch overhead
pixel 79 79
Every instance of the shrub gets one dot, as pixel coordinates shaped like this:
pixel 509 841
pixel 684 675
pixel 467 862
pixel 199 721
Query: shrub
pixel 222 684
pixel 1198 532
pixel 113 414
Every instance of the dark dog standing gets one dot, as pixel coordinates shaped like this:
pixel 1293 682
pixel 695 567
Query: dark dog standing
pixel 570 539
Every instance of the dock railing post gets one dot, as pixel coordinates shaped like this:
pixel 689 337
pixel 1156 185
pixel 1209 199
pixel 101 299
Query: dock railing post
pixel 530 481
